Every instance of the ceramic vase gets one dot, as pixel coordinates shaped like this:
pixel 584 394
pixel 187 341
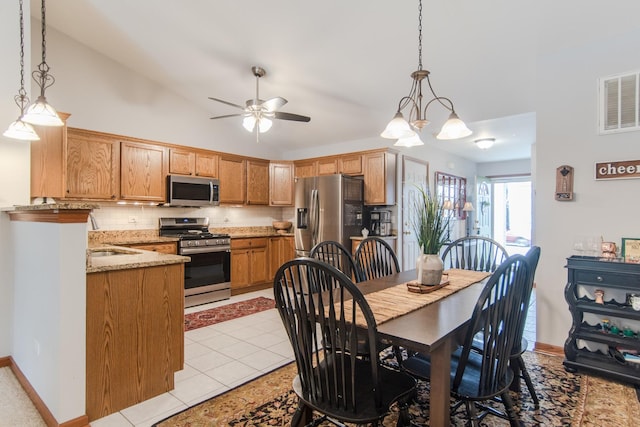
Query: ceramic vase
pixel 430 269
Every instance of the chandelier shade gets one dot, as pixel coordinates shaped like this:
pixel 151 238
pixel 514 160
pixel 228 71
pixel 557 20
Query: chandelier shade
pixel 40 112
pixel 22 131
pixel 398 127
pixel 412 141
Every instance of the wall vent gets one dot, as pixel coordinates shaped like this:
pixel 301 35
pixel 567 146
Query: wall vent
pixel 619 103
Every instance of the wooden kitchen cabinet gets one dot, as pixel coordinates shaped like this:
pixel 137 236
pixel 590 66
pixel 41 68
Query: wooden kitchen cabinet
pixel 92 166
pixel 379 178
pixel 257 182
pixel 232 179
pixel 47 160
pixel 135 336
pixel 194 163
pixel 351 164
pixel 327 166
pixel 281 186
pixel 143 168
pixel 305 168
pixel 281 250
pixel 249 264
pixel 165 248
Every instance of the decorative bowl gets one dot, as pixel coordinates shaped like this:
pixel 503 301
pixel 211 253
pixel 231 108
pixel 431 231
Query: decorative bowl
pixel 281 226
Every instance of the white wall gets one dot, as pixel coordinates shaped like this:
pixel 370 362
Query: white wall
pixel 511 167
pixel 566 134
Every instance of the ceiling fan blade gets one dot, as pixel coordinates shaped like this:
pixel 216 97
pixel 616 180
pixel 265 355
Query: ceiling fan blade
pixel 274 103
pixel 289 116
pixel 224 117
pixel 227 102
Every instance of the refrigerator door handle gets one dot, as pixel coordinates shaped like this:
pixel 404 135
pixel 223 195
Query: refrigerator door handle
pixel 314 217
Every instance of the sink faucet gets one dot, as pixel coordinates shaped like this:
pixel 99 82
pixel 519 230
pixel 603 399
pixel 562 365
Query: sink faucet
pixel 94 223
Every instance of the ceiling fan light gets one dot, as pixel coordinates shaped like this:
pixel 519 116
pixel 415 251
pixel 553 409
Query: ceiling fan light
pixel 412 141
pixel 454 128
pixel 249 123
pixel 22 131
pixel 264 124
pixel 397 128
pixel 42 113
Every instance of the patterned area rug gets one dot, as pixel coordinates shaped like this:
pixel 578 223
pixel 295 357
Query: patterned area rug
pixel 226 312
pixel 565 400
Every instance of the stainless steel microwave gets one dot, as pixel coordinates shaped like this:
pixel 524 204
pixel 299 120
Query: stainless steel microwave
pixel 192 191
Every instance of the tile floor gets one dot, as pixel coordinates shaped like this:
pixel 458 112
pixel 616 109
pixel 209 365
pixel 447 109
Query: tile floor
pixel 222 356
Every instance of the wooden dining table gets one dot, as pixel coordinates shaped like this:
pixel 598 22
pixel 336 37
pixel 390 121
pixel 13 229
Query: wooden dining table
pixel 435 329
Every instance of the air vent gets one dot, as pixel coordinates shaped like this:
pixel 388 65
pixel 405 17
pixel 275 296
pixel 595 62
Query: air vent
pixel 619 103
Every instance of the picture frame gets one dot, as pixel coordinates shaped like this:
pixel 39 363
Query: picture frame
pixel 630 250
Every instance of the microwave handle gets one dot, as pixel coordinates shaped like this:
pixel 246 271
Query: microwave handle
pixel 210 191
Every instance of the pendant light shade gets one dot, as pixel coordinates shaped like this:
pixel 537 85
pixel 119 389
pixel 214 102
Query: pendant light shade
pixel 399 128
pixel 40 112
pixel 22 131
pixel 412 141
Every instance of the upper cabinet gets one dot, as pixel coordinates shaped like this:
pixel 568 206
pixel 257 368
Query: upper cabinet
pixel 232 179
pixel 47 160
pixel 327 165
pixel 194 163
pixel 143 169
pixel 350 164
pixel 92 166
pixel 281 185
pixel 305 168
pixel 379 178
pixel 257 182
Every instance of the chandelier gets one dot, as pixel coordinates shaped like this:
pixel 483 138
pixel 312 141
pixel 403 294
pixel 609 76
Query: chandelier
pixel 40 112
pixel 406 132
pixel 20 129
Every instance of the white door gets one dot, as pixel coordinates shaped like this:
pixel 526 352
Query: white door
pixel 414 173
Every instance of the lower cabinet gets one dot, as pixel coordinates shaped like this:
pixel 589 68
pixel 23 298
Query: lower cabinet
pixel 281 250
pixel 135 336
pixel 249 264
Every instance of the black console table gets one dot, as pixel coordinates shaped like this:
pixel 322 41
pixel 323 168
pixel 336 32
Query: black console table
pixel 605 334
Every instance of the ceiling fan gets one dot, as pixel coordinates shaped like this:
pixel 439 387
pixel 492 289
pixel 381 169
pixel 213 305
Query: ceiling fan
pixel 258 113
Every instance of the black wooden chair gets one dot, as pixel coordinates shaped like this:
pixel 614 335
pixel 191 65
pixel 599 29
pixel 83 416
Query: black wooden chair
pixel 474 253
pixel 322 310
pixel 335 254
pixel 482 375
pixel 375 258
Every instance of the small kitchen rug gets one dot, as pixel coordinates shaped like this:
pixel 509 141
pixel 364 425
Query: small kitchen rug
pixel 232 311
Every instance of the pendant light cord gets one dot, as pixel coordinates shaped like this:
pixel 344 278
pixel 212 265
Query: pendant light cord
pixel 21 98
pixel 41 75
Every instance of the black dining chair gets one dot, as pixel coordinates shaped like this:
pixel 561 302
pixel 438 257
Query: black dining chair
pixel 375 258
pixel 322 311
pixel 474 253
pixel 335 254
pixel 482 375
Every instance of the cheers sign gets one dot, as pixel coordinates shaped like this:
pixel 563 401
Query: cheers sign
pixel 618 170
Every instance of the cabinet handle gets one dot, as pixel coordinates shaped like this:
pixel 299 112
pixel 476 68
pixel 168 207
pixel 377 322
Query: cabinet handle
pixel 599 278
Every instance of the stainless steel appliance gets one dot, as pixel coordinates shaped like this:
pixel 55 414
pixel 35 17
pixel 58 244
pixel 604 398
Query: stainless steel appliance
pixel 380 222
pixel 192 191
pixel 328 207
pixel 207 277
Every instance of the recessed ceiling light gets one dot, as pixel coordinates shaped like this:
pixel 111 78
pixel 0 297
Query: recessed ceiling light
pixel 485 143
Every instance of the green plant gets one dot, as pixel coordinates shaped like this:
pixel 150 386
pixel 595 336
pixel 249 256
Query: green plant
pixel 430 222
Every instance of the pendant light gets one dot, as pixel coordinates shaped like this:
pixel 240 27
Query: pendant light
pixel 399 128
pixel 20 129
pixel 40 112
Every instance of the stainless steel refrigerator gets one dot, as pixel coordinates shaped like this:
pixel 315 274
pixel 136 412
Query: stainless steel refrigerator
pixel 328 207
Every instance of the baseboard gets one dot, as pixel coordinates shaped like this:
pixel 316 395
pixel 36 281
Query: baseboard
pixel 553 350
pixel 45 413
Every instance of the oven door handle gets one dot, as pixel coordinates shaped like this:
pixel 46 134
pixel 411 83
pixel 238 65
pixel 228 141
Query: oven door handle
pixel 204 250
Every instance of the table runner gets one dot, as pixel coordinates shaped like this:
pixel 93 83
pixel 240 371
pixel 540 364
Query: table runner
pixel 396 300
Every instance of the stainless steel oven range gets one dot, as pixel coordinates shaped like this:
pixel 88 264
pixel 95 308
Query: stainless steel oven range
pixel 207 277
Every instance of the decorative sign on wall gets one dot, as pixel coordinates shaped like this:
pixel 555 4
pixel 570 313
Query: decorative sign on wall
pixel 564 183
pixel 618 170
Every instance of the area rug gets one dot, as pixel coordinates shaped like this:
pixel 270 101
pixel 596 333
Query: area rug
pixel 211 316
pixel 565 400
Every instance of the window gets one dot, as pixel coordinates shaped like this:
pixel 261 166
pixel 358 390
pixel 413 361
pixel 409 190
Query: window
pixel 452 188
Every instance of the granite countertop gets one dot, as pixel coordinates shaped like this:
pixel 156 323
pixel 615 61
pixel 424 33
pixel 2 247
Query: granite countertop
pixel 127 258
pixel 56 206
pixel 382 237
pixel 258 234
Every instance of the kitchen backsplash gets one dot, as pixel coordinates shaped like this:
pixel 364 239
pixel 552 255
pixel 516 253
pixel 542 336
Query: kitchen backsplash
pixel 147 217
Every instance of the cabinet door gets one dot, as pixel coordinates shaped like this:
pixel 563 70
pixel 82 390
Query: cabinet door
pixel 142 171
pixel 240 265
pixel 259 265
pixel 351 164
pixel 47 160
pixel 257 182
pixel 92 167
pixel 275 255
pixel 306 168
pixel 379 178
pixel 207 165
pixel 181 161
pixel 232 180
pixel 281 184
pixel 328 166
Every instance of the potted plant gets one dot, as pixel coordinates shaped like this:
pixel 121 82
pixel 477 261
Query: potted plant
pixel 431 225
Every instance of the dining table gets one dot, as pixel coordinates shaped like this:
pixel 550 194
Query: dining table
pixel 436 328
